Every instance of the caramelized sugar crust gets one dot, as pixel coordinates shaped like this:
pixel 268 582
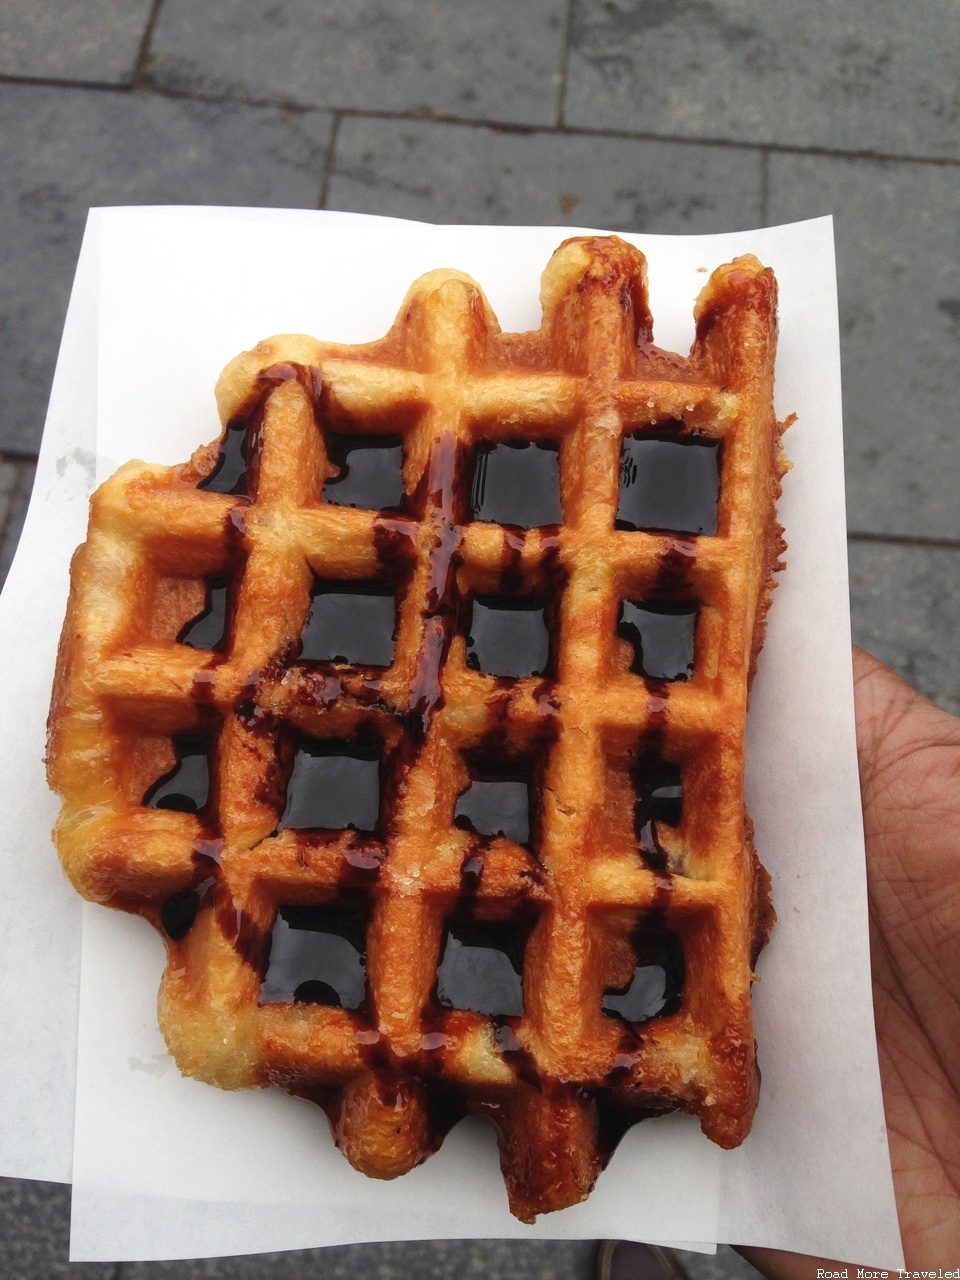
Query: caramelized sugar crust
pixel 498 861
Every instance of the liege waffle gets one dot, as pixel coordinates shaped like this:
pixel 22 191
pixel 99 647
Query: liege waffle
pixel 411 713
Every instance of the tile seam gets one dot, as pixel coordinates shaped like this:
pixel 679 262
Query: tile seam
pixel 904 540
pixel 144 87
pixel 330 162
pixel 766 148
pixel 143 53
pixel 764 188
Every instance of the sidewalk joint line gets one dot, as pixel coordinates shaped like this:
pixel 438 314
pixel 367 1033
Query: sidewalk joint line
pixel 329 161
pixel 143 53
pixel 905 540
pixel 146 86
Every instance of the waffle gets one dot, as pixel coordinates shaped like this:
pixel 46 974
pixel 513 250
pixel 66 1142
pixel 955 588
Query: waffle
pixel 411 713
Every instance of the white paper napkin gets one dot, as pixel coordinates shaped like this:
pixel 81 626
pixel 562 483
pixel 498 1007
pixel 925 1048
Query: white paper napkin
pixel 165 1167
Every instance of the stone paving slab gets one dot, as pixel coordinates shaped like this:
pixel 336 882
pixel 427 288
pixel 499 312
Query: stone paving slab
pixel 63 150
pixel 16 482
pixel 906 611
pixel 94 41
pixel 35 1233
pixel 873 76
pixel 898 266
pixel 453 173
pixel 498 60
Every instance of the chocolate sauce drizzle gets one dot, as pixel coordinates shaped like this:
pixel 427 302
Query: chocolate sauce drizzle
pixel 178 913
pixel 509 637
pixel 657 781
pixel 317 955
pixel 441 605
pixel 516 483
pixel 333 785
pixel 208 629
pixel 655 989
pixel 481 968
pixel 659 799
pixel 186 787
pixel 662 637
pixel 353 623
pixel 370 472
pixel 669 481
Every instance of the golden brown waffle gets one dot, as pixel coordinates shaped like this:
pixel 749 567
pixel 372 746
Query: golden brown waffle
pixel 545 774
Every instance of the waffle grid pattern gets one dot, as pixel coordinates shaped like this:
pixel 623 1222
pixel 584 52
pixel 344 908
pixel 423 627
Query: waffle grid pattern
pixel 562 1079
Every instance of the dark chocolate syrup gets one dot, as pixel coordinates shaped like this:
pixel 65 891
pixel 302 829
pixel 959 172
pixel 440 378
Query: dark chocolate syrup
pixel 516 484
pixel 655 989
pixel 247 706
pixel 660 794
pixel 350 622
pixel 519 1059
pixel 674 580
pixel 208 630
pixel 371 472
pixel 511 561
pixel 178 914
pixel 508 637
pixel 741 289
pixel 659 799
pixel 395 542
pixel 495 807
pixel 180 910
pixel 250 942
pixel 333 785
pixel 471 871
pixel 235 529
pixel 669 482
pixel 185 787
pixel 229 474
pixel 362 860
pixel 652 773
pixel 481 968
pixel 317 955
pixel 552 571
pixel 204 685
pixel 662 636
pixel 505 795
pixel 442 600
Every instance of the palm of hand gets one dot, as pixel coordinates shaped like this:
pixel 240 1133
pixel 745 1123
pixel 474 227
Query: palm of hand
pixel 910 778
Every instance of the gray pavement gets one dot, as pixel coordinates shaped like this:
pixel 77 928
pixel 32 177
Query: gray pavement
pixel 657 115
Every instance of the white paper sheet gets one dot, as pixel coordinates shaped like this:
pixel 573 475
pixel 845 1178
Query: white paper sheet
pixel 166 1167
pixel 39 912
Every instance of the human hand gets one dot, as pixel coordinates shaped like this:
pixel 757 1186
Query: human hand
pixel 909 753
